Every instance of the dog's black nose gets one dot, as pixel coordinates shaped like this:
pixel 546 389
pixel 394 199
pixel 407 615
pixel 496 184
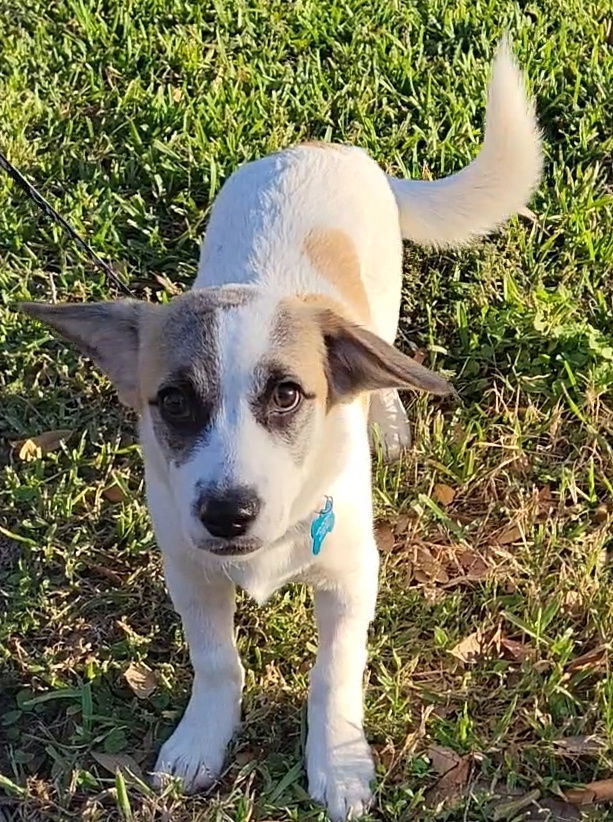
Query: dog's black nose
pixel 228 515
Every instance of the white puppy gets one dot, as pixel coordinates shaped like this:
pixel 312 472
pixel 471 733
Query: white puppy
pixel 253 392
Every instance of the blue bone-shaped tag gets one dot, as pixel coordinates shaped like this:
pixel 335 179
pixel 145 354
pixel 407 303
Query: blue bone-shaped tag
pixel 322 525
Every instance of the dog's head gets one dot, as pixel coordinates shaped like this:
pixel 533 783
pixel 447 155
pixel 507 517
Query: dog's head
pixel 241 397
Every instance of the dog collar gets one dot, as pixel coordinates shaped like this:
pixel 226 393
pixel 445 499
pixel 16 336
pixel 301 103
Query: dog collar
pixel 322 524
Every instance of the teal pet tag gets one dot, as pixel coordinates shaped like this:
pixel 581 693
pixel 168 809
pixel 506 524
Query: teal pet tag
pixel 322 525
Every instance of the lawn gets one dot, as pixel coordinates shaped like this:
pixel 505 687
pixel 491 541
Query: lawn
pixel 491 639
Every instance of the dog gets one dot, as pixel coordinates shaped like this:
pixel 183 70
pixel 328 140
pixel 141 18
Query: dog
pixel 255 393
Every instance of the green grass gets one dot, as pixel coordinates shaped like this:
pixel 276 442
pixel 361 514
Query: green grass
pixel 129 115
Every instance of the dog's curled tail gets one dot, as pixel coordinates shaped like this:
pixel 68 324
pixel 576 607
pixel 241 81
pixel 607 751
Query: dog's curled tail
pixel 495 186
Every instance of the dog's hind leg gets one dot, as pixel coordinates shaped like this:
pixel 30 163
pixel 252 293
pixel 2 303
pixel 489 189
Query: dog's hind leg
pixel 389 425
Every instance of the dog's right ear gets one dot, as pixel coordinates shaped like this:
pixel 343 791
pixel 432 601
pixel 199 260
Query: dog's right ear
pixel 106 332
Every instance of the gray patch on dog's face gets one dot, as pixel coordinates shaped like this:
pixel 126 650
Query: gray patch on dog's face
pixel 182 359
pixel 292 428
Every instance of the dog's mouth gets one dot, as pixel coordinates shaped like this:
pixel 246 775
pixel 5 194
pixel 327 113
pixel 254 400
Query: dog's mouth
pixel 230 548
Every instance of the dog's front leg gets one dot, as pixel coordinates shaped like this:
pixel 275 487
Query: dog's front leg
pixel 196 750
pixel 339 762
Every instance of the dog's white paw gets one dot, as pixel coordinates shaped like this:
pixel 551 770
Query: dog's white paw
pixel 340 777
pixel 191 756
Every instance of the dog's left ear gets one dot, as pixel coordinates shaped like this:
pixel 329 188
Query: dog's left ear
pixel 106 332
pixel 358 360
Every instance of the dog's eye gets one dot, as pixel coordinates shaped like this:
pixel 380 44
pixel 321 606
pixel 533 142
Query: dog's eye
pixel 286 396
pixel 175 405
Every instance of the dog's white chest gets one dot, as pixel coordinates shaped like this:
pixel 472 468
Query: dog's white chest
pixel 274 567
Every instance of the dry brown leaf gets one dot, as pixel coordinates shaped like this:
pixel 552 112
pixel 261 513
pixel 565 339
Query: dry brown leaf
pixel 590 745
pixel 429 569
pixel 474 565
pixel 35 447
pixel 384 535
pixel 141 679
pixel 552 810
pixel 420 355
pixel 442 759
pixel 509 535
pixel 600 791
pixel 105 572
pixel 114 493
pixel 177 94
pixel 443 494
pixel 545 501
pixel 454 773
pixel 119 761
pixel 401 525
pixel 592 659
pixel 470 648
pixel 516 650
pixel 510 808
pixel 601 514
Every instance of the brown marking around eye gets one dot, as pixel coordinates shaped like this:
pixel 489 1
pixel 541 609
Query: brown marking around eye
pixel 297 342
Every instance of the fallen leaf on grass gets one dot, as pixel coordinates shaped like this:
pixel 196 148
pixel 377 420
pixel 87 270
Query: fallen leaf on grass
pixel 602 513
pixel 470 648
pixel 509 535
pixel 511 807
pixel 516 650
pixel 114 493
pixel 454 773
pixel 443 494
pixel 552 810
pixel 590 745
pixel 475 570
pixel 592 659
pixel 442 759
pixel 118 762
pixel 141 679
pixel 401 525
pixel 384 536
pixel 473 563
pixel 545 502
pixel 428 569
pixel 105 572
pixel 600 791
pixel 34 447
